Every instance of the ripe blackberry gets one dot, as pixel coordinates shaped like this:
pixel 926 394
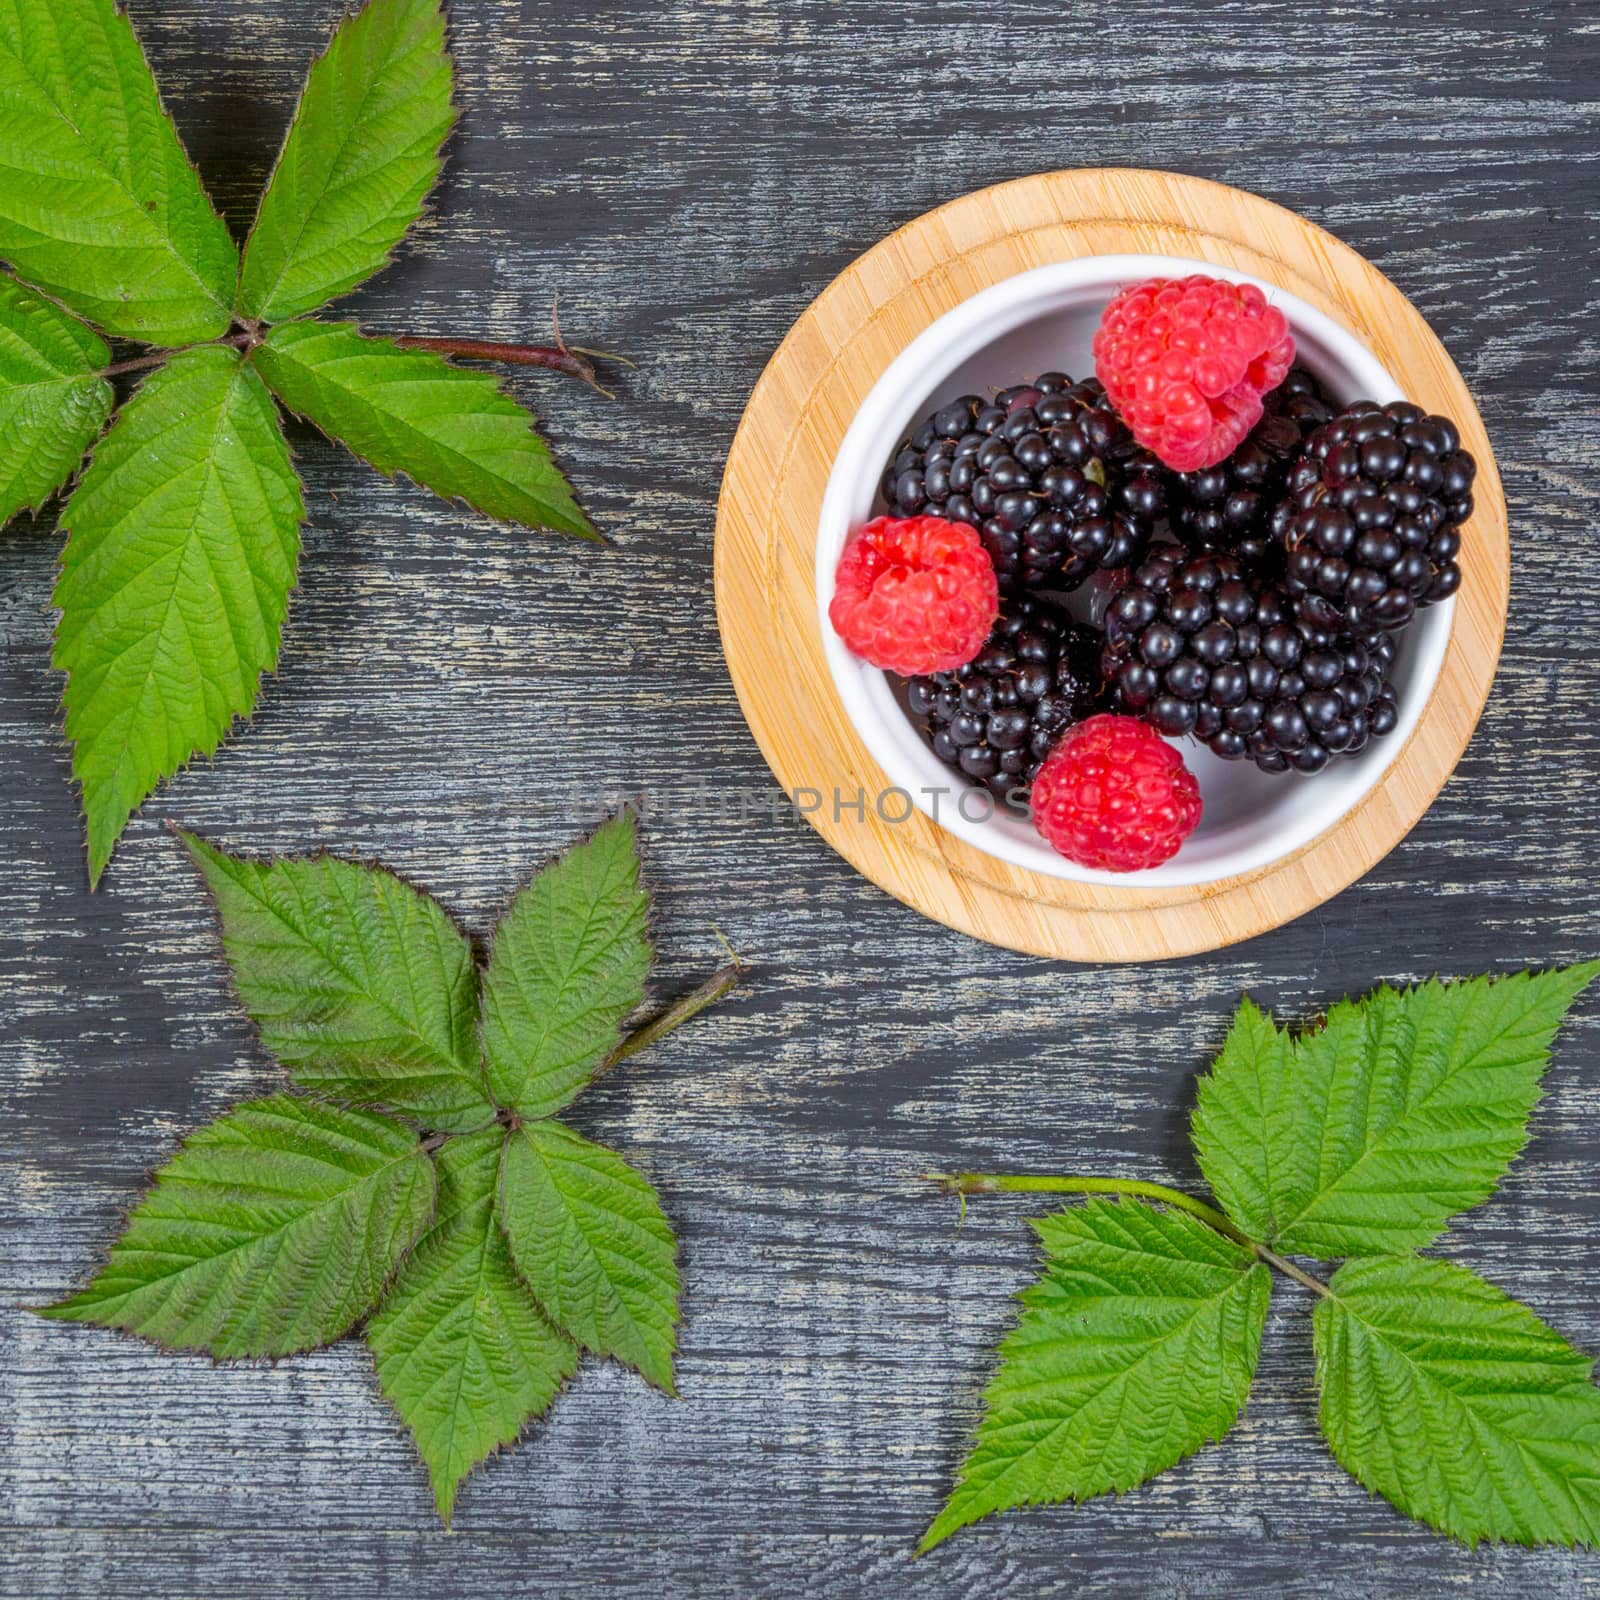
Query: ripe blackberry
pixel 1230 506
pixel 1371 527
pixel 1046 471
pixel 996 718
pixel 1196 645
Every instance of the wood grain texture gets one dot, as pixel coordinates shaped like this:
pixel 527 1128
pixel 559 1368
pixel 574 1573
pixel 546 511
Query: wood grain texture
pixel 783 457
pixel 463 699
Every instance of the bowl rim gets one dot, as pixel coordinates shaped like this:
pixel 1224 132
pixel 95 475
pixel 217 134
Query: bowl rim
pixel 892 405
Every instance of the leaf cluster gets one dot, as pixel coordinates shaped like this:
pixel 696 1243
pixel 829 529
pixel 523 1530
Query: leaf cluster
pixel 421 1183
pixel 1359 1140
pixel 184 530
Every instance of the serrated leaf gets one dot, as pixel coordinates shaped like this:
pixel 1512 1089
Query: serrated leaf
pixel 361 154
pixel 1136 1346
pixel 566 965
pixel 410 411
pixel 184 536
pixel 273 1230
pixel 1243 1116
pixel 1372 1131
pixel 98 203
pixel 1458 1404
pixel 361 985
pixel 589 1238
pixel 462 1352
pixel 52 401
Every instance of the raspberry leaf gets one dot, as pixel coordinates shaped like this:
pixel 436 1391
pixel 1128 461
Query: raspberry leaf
pixel 462 1352
pixel 1136 1346
pixel 1458 1404
pixel 273 1230
pixel 566 965
pixel 362 153
pixel 98 203
pixel 361 985
pixel 184 537
pixel 52 400
pixel 1400 1111
pixel 410 411
pixel 1244 1114
pixel 590 1240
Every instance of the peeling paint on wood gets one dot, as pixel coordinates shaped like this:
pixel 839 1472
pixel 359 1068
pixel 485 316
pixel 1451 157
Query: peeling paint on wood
pixel 688 175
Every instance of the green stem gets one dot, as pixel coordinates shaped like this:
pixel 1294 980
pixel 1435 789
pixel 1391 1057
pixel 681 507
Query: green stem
pixel 658 1027
pixel 678 1013
pixel 965 1183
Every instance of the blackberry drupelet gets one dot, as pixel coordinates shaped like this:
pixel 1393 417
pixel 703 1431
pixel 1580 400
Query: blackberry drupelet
pixel 1194 644
pixel 1230 506
pixel 1047 472
pixel 995 719
pixel 1371 527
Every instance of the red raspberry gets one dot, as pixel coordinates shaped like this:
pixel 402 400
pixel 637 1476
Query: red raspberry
pixel 1115 795
pixel 915 594
pixel 1187 360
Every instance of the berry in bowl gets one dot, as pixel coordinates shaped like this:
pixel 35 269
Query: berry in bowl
pixel 1173 616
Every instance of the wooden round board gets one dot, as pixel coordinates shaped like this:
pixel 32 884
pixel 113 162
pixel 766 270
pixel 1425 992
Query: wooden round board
pixel 779 466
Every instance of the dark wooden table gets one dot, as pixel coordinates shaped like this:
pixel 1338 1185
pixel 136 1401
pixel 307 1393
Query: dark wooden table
pixel 461 700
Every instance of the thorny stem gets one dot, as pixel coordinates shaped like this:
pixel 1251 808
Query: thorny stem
pixel 138 364
pixel 558 357
pixel 965 1183
pixel 574 360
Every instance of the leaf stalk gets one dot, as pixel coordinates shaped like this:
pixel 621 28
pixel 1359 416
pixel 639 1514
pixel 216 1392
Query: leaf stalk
pixel 965 1183
pixel 557 357
pixel 574 360
pixel 679 1012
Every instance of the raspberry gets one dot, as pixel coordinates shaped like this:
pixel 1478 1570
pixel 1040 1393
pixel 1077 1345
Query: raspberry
pixel 914 594
pixel 1186 362
pixel 1114 795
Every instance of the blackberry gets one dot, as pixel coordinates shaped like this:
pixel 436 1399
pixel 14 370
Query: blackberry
pixel 1371 527
pixel 1229 506
pixel 1046 471
pixel 1195 644
pixel 996 718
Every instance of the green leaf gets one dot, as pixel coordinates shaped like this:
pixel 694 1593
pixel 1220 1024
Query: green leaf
pixel 1458 1404
pixel 362 153
pixel 1242 1115
pixel 98 203
pixel 361 986
pixel 1136 1346
pixel 52 403
pixel 273 1230
pixel 1367 1135
pixel 410 411
pixel 184 539
pixel 462 1352
pixel 567 964
pixel 590 1240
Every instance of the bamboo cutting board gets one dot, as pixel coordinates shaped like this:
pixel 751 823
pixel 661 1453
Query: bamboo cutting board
pixel 772 493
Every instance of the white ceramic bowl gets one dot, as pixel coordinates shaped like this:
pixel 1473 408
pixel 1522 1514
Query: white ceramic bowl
pixel 1036 322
